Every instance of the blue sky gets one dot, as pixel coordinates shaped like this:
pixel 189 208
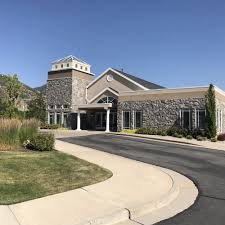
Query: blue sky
pixel 171 42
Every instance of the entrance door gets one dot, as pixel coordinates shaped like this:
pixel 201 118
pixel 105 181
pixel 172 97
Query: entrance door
pixel 100 120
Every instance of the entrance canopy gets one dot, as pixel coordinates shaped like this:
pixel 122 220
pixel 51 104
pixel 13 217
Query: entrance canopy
pixel 105 106
pixel 95 106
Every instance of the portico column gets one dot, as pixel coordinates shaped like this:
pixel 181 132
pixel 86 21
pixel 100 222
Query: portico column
pixel 107 120
pixel 48 115
pixel 55 117
pixel 62 118
pixel 78 121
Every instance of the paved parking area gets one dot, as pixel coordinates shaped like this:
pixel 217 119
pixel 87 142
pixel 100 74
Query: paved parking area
pixel 204 166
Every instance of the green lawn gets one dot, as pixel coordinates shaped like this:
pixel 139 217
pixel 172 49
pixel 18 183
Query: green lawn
pixel 29 175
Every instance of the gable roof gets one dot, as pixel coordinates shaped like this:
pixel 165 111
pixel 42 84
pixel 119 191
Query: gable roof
pixel 69 58
pixel 135 80
pixel 145 83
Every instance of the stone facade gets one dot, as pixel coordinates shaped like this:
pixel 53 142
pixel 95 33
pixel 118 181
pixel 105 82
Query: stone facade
pixel 78 92
pixel 59 92
pixel 159 113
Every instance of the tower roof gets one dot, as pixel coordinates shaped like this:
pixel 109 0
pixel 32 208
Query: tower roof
pixel 69 58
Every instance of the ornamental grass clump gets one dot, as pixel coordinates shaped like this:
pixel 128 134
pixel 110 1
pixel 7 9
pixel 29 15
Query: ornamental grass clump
pixel 28 130
pixel 9 133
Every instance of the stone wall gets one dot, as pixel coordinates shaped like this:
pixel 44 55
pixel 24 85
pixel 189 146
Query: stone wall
pixel 78 92
pixel 59 91
pixel 160 113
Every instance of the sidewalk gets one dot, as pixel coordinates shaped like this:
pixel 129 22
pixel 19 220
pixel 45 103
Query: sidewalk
pixel 136 193
pixel 219 145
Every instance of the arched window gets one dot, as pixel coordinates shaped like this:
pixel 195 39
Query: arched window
pixel 108 99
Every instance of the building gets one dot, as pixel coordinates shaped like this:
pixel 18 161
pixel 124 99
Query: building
pixel 116 100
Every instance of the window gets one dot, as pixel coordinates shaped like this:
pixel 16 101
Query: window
pixel 85 68
pixel 81 67
pixel 61 65
pixel 56 66
pixel 186 118
pixel 65 106
pixel 108 99
pixel 126 120
pixel 50 107
pixel 200 118
pixel 65 119
pixel 68 65
pixel 51 118
pixel 76 65
pixel 58 106
pixel 137 119
pixel 58 118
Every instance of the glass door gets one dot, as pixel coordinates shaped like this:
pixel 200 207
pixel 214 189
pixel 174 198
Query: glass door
pixel 100 120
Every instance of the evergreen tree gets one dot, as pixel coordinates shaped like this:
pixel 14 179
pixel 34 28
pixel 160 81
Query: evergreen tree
pixel 211 112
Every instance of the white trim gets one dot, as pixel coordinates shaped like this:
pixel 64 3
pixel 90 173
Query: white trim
pixel 219 90
pixel 164 90
pixel 118 73
pixel 100 93
pixel 78 121
pixel 196 122
pixel 134 120
pixel 107 120
pixel 69 57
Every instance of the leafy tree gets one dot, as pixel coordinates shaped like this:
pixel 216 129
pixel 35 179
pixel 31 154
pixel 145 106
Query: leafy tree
pixel 211 112
pixel 37 108
pixel 13 91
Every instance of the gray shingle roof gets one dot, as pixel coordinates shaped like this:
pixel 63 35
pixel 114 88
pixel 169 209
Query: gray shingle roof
pixel 140 81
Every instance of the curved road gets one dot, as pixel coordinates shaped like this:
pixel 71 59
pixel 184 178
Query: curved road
pixel 203 166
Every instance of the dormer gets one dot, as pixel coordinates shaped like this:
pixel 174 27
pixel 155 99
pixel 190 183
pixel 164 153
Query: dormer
pixel 71 62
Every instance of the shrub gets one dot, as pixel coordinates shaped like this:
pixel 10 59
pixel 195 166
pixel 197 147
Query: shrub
pixel 50 126
pixel 213 139
pixel 42 142
pixel 9 133
pixel 221 137
pixel 200 138
pixel 164 133
pixel 128 131
pixel 28 129
pixel 177 135
pixel 141 130
pixel 189 137
pixel 176 130
pixel 150 131
pixel 198 132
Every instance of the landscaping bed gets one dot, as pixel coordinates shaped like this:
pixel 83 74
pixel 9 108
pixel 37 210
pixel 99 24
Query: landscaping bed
pixel 26 175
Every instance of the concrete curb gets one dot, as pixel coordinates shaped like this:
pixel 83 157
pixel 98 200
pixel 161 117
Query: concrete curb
pixel 186 197
pixel 116 217
pixel 154 139
pixel 152 208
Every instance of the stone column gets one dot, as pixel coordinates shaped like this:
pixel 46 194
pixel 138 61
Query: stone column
pixel 107 120
pixel 78 121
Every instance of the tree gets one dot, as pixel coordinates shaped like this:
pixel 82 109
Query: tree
pixel 12 93
pixel 211 112
pixel 37 108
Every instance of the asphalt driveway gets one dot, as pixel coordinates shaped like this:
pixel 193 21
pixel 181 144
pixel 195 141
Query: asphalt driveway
pixel 205 167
